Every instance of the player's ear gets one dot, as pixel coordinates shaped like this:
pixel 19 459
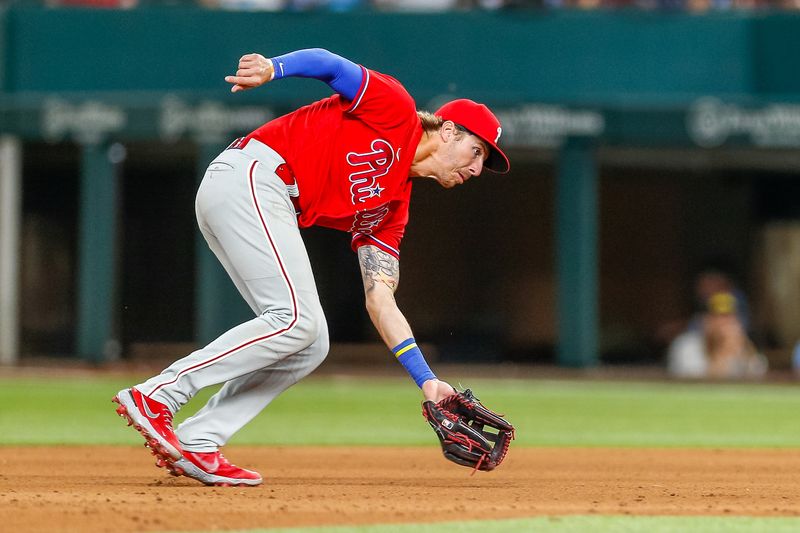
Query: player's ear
pixel 448 131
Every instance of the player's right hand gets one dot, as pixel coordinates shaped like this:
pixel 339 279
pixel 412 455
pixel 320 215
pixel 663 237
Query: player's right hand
pixel 435 390
pixel 254 70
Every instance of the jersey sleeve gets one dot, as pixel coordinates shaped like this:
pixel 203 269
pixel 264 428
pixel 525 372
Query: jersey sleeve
pixel 387 234
pixel 380 101
pixel 342 75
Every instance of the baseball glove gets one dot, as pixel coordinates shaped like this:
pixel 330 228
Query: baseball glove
pixel 463 426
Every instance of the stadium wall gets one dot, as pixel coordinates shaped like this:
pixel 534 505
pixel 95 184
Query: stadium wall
pixel 719 87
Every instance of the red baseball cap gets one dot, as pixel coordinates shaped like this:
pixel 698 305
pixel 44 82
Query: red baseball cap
pixel 480 121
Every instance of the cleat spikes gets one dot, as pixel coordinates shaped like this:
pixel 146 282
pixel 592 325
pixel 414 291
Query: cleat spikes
pixel 160 447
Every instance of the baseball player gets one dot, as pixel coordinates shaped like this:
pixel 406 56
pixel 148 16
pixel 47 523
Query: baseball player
pixel 344 162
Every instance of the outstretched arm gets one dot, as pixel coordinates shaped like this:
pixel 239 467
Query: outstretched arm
pixel 381 274
pixel 341 74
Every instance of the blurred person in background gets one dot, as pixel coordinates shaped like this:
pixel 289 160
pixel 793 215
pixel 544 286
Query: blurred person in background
pixel 712 278
pixel 716 345
pixel 716 278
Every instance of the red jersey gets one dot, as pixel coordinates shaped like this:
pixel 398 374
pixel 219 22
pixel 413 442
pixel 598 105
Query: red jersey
pixel 351 160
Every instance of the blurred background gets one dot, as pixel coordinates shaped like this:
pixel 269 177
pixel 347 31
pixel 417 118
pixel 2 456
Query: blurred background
pixel 654 148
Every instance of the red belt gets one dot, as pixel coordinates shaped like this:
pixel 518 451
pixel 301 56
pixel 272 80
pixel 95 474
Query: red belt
pixel 283 171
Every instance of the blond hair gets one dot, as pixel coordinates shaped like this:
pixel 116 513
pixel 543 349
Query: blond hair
pixel 430 122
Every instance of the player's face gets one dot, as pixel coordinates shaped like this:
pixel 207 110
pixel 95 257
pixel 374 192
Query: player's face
pixel 459 158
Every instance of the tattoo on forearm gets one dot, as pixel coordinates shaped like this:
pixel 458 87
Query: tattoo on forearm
pixel 378 267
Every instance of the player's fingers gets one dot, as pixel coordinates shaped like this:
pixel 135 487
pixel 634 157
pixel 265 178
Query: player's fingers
pixel 244 82
pixel 241 80
pixel 238 87
pixel 250 61
pixel 246 72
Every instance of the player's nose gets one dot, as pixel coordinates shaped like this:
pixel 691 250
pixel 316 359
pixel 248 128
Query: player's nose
pixel 476 167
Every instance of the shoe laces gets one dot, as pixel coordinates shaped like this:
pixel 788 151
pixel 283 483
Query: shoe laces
pixel 223 461
pixel 167 415
pixel 205 456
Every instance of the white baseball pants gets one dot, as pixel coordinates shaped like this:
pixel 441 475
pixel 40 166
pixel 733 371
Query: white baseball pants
pixel 249 222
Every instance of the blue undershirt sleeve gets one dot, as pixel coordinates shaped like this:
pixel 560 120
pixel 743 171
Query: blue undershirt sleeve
pixel 342 75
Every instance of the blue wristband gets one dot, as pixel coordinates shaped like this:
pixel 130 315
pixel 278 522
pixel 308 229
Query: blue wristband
pixel 410 356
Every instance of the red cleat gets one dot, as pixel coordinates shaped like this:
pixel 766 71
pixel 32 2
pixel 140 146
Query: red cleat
pixel 214 469
pixel 153 420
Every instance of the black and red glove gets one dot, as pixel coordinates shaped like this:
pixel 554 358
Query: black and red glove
pixel 471 435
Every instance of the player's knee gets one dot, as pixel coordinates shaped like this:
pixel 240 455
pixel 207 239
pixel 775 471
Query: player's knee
pixel 306 323
pixel 323 343
pixel 312 326
pixel 280 314
pixel 318 350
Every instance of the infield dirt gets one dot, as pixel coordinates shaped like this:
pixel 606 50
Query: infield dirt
pixel 117 488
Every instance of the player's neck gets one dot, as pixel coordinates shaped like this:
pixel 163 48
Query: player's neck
pixel 420 167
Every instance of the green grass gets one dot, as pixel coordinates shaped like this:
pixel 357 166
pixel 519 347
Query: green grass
pixel 385 411
pixel 573 524
pixel 347 411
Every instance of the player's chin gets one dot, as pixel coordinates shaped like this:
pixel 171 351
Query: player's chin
pixel 448 181
pixel 454 181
